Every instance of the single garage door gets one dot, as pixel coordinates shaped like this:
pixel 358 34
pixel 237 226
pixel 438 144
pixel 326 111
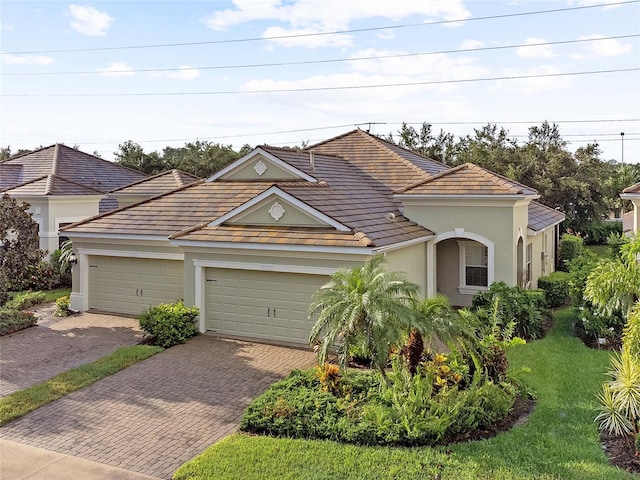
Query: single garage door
pixel 130 285
pixel 259 304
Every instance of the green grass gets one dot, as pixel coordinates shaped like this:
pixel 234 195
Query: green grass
pixel 49 295
pixel 560 440
pixel 24 401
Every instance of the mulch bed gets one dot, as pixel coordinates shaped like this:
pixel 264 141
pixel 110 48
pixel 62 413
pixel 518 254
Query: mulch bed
pixel 620 452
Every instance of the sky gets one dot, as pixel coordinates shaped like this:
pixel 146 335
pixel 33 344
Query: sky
pixel 283 72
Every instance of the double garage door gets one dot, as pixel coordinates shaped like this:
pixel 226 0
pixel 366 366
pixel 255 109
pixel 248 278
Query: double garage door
pixel 130 285
pixel 260 304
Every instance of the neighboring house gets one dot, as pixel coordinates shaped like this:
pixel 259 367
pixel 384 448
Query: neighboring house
pixel 631 220
pixel 151 186
pixel 250 245
pixel 63 185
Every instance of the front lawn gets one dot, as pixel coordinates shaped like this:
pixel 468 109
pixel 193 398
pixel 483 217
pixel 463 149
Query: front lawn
pixel 560 439
pixel 49 295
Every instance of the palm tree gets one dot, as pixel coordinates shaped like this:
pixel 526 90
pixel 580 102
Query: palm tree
pixel 614 286
pixel 367 301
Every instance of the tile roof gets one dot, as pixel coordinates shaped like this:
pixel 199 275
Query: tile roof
pixel 632 189
pixel 467 179
pixel 160 183
pixel 70 164
pixel 541 216
pixel 387 163
pixel 48 185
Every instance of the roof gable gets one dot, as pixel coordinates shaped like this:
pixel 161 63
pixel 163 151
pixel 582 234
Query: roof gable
pixel 633 189
pixel 277 207
pixel 468 180
pixel 260 165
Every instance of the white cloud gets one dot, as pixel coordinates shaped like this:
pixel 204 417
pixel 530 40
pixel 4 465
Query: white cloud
pixel 535 51
pixel 116 70
pixel 26 59
pixel 606 3
pixel 467 44
pixel 529 86
pixel 6 26
pixel 306 38
pixel 606 48
pixel 89 21
pixel 185 72
pixel 330 15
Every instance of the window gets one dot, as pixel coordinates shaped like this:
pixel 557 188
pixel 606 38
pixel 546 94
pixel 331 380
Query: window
pixel 529 255
pixel 474 270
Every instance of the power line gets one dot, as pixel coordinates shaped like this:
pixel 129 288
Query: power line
pixel 318 34
pixel 316 62
pixel 320 89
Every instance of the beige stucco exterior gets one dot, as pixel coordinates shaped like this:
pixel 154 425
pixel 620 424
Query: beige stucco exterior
pixel 260 168
pixel 50 212
pixel 263 214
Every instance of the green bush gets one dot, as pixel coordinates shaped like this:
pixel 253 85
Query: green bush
pixel 169 324
pixel 25 300
pixel 616 241
pixel 12 320
pixel 62 306
pixel 524 307
pixel 62 270
pixel 556 289
pixel 410 411
pixel 570 247
pixel 4 294
pixel 597 233
pixel 579 269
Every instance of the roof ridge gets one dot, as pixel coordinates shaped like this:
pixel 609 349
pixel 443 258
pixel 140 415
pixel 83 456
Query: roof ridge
pixel 177 178
pixel 505 180
pixel 433 177
pixel 48 188
pixel 41 177
pixel 377 142
pixel 54 160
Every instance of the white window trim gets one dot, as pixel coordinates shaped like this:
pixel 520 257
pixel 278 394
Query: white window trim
pixel 463 288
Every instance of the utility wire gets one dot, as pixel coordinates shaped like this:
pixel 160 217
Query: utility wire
pixel 318 34
pixel 320 89
pixel 316 62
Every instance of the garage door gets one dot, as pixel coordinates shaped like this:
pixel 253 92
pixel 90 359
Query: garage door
pixel 129 285
pixel 261 305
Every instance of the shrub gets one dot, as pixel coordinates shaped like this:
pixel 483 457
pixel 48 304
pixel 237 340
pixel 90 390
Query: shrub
pixel 524 307
pixel 62 270
pixel 579 269
pixel 169 324
pixel 616 241
pixel 25 300
pixel 570 247
pixel 14 320
pixel 591 325
pixel 556 289
pixel 4 294
pixel 62 306
pixel 597 233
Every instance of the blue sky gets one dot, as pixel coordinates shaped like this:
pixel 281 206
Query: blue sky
pixel 222 85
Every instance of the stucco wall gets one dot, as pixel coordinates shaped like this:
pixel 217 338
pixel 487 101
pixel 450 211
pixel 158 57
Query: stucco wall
pixel 259 215
pixel 248 172
pixel 412 261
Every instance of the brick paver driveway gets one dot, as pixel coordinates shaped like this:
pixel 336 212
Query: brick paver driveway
pixel 56 345
pixel 157 414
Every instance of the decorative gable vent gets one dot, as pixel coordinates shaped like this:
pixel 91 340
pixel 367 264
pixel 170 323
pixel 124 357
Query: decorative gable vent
pixel 276 211
pixel 260 168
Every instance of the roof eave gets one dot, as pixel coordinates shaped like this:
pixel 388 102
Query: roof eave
pixel 408 196
pixel 273 247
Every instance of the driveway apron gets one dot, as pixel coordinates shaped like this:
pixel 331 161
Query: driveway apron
pixel 154 416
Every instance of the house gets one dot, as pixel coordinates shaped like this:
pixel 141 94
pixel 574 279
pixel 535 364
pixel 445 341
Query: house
pixel 631 220
pixel 249 245
pixel 63 185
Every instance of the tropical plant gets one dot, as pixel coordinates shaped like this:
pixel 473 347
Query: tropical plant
pixel 614 285
pixel 365 300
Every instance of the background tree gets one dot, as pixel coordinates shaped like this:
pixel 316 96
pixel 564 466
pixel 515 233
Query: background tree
pixel 20 254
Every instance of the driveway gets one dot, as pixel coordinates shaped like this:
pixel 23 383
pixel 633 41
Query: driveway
pixel 157 414
pixel 56 345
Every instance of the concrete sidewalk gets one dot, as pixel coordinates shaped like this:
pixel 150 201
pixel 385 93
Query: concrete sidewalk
pixel 22 462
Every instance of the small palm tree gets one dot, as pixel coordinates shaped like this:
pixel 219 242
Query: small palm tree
pixel 366 300
pixel 614 286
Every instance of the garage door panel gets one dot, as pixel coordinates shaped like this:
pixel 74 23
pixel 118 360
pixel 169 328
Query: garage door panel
pixel 267 305
pixel 130 285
